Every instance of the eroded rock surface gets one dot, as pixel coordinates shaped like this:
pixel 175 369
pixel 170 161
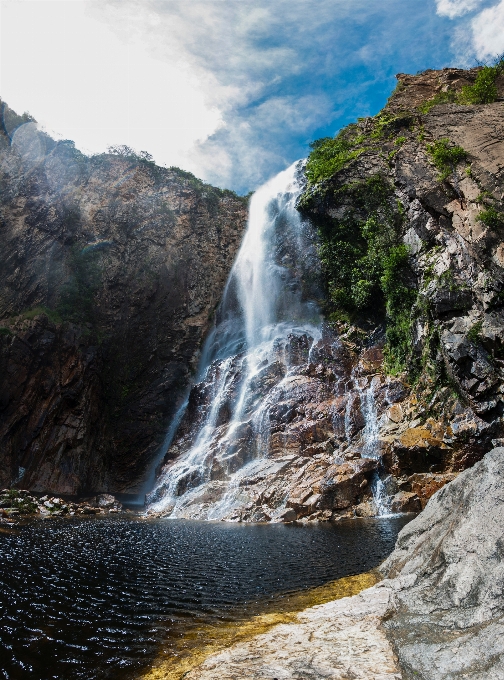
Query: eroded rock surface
pixel 447 619
pixel 339 640
pixel 111 270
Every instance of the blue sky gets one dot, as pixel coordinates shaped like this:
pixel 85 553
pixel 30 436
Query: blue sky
pixel 233 90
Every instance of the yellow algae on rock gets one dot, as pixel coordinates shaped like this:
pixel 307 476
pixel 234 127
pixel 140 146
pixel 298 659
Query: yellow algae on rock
pixel 203 642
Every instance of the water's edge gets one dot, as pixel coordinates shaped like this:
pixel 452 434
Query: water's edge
pixel 205 641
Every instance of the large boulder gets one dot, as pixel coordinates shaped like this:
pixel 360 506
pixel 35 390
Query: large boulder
pixel 447 574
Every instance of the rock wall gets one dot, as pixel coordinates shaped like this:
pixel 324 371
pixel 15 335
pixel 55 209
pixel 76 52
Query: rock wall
pixel 449 410
pixel 111 270
pixel 446 619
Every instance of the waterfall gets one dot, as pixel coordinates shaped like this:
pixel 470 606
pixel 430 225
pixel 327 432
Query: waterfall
pixel 371 445
pixel 263 306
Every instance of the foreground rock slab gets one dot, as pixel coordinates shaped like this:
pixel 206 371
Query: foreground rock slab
pixel 448 621
pixel 340 640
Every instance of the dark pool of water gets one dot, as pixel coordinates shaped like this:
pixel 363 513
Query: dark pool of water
pixel 96 598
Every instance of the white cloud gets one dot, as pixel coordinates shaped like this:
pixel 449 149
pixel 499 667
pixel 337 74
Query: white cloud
pixel 230 89
pixel 83 82
pixel 456 8
pixel 488 32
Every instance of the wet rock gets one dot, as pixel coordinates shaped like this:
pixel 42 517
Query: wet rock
pixel 87 510
pixel 341 640
pixel 405 501
pixel 107 501
pixel 424 485
pixel 366 509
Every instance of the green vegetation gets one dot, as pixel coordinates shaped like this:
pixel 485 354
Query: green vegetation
pixel 13 499
pixel 483 196
pixel 386 125
pixel 492 218
pixel 484 90
pixel 445 157
pixel 440 98
pixel 51 314
pixel 474 334
pixel 330 154
pixel 366 263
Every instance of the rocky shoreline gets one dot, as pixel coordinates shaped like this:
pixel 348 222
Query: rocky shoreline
pixel 437 615
pixel 18 503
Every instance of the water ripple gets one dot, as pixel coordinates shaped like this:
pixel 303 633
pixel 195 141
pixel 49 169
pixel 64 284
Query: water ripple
pixel 96 598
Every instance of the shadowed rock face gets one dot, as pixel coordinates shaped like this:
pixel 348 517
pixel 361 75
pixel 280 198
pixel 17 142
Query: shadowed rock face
pixel 128 261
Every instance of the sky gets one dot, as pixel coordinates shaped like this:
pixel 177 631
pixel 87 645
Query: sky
pixel 231 90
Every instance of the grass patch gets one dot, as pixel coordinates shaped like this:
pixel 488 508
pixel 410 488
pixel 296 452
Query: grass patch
pixel 474 333
pixel 329 155
pixel 51 314
pixel 445 156
pixel 439 98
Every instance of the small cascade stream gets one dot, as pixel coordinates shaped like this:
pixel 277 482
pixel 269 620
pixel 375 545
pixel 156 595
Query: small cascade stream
pixel 371 444
pixel 268 317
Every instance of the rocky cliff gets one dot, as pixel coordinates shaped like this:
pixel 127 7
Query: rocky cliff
pixel 446 616
pixel 410 214
pixel 111 270
pixel 405 388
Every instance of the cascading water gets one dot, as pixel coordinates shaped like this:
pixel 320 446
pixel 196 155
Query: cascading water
pixel 371 447
pixel 264 305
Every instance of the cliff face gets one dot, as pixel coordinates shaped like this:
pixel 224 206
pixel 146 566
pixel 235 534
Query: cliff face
pixel 416 195
pixel 111 270
pixel 446 616
pixel 405 388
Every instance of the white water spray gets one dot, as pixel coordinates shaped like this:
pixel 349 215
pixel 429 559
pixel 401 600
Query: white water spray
pixel 371 444
pixel 262 307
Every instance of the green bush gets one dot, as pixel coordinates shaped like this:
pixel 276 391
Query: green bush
pixel 484 90
pixel 365 263
pixel 492 218
pixel 445 157
pixel 330 154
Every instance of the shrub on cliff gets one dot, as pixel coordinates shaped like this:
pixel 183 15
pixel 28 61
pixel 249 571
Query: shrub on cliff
pixel 330 154
pixel 366 264
pixel 484 90
pixel 445 156
pixel 491 218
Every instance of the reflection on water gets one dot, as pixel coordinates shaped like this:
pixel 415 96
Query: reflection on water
pixel 99 598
